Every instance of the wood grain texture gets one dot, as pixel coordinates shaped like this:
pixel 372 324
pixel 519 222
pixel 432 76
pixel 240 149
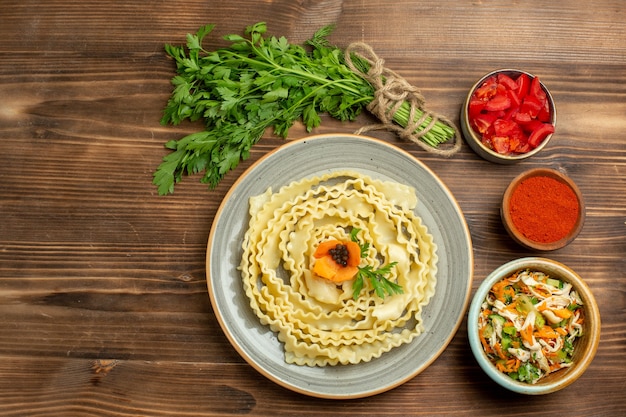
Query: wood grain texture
pixel 103 297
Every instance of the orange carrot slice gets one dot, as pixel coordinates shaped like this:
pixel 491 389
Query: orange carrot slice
pixel 354 253
pixel 345 273
pixel 324 247
pixel 326 267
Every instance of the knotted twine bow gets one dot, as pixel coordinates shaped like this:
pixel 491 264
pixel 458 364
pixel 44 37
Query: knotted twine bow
pixel 390 91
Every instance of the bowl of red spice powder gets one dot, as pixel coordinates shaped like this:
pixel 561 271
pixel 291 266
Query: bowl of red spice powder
pixel 543 209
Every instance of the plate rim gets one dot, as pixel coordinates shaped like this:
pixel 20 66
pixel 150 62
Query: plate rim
pixel 361 393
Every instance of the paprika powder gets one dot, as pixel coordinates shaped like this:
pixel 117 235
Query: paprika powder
pixel 544 209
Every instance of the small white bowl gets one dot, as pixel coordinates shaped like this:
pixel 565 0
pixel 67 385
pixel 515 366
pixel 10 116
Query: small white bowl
pixel 585 346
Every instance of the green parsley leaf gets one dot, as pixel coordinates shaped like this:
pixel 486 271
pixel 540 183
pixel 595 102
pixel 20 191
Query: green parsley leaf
pixel 377 278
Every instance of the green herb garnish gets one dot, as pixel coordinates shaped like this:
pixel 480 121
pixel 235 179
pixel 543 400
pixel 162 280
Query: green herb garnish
pixel 256 83
pixel 377 278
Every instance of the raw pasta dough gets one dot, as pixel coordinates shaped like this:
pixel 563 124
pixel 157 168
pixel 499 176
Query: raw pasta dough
pixel 318 321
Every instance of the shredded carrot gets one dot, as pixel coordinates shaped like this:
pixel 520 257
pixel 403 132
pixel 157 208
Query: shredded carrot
pixel 555 367
pixel 486 345
pixel 579 319
pixel 500 289
pixel 512 306
pixel 527 334
pixel 498 349
pixel 546 332
pixel 523 288
pixel 497 290
pixel 563 313
pixel 511 365
pixel 549 355
pixel 561 331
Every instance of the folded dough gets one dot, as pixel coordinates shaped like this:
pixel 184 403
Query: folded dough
pixel 318 321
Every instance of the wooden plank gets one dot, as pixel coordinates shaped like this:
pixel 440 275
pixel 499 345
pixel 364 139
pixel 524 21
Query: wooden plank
pixel 103 297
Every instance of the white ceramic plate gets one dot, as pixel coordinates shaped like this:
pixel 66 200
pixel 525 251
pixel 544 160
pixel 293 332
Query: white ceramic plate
pixel 259 346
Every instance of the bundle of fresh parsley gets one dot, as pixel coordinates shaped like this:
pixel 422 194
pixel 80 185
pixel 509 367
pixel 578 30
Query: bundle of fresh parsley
pixel 256 83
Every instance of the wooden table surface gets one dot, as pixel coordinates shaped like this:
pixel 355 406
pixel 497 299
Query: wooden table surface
pixel 103 296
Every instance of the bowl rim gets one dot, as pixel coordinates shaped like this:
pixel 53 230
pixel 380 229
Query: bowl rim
pixel 591 329
pixel 473 138
pixel 516 235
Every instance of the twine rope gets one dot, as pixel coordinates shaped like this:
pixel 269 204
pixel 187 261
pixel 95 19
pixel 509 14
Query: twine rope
pixel 390 91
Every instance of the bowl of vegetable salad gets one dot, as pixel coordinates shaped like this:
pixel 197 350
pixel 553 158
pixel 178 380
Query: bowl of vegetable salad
pixel 509 115
pixel 534 326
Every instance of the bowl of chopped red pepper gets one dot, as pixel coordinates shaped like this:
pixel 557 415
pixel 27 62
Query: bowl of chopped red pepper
pixel 543 209
pixel 508 116
pixel 534 326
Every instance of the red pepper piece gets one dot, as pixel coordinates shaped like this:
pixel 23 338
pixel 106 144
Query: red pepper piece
pixel 538 135
pixel 515 100
pixel 505 127
pixel 482 122
pixel 523 86
pixel 499 102
pixel 514 143
pixel 544 113
pixel 536 90
pixel 501 144
pixel 507 81
pixel 532 126
pixel 474 107
pixel 523 148
pixel 522 118
pixel 531 105
pixel 508 137
pixel 510 113
pixel 487 89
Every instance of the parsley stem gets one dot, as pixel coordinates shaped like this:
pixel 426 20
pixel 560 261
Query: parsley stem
pixel 345 84
pixel 440 132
